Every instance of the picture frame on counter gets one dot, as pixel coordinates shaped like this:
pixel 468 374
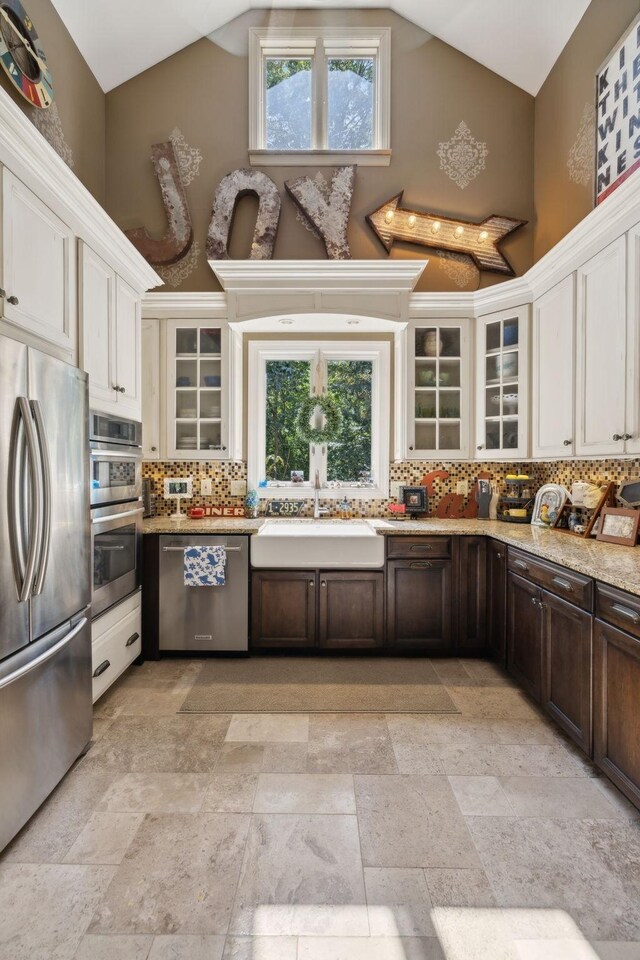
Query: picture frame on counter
pixel 619 525
pixel 550 499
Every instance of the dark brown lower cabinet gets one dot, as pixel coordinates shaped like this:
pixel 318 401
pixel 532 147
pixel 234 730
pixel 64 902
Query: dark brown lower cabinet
pixel 616 719
pixel 524 633
pixel 497 601
pixel 566 667
pixel 420 605
pixel 351 610
pixel 283 608
pixel 472 596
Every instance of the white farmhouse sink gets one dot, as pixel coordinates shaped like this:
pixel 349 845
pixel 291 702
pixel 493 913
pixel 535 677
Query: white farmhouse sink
pixel 325 544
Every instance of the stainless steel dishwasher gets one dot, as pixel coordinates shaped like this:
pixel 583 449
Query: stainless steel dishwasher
pixel 204 618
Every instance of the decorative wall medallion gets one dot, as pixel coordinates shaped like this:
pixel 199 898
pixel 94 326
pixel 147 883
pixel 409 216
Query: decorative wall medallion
pixel 460 268
pixel 50 126
pixel 189 158
pixel 580 162
pixel 477 240
pixel 327 209
pixel 22 57
pixel 462 157
pixel 230 189
pixel 176 273
pixel 179 235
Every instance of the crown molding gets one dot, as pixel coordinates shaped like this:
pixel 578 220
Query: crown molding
pixel 184 305
pixel 397 276
pixel 32 160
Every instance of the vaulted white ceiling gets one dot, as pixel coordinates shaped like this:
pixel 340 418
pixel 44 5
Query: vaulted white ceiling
pixel 517 39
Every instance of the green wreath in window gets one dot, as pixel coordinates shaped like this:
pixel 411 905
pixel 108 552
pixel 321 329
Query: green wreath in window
pixel 332 417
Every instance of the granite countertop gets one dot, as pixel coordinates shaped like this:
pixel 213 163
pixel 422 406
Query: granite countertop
pixel 610 563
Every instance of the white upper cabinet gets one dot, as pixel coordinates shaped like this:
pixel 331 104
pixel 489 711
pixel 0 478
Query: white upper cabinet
pixel 439 394
pixel 151 389
pixel 128 349
pixel 601 354
pixel 553 371
pixel 197 390
pixel 502 385
pixel 110 339
pixel 38 267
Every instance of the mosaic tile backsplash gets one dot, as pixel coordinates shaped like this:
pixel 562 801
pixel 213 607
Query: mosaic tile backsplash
pixel 408 473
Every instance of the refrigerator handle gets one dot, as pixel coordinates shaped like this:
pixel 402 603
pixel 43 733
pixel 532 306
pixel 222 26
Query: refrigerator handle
pixel 45 463
pixel 15 511
pixel 35 502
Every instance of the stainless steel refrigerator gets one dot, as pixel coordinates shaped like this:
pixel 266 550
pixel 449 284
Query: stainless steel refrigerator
pixel 45 586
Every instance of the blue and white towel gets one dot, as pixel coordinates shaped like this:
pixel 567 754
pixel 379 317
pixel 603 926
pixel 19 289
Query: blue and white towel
pixel 205 566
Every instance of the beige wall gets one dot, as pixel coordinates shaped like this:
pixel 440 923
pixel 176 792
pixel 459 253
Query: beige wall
pixel 79 100
pixel 203 91
pixel 567 97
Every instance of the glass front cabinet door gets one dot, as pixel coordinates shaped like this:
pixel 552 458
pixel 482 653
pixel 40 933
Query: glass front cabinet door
pixel 197 390
pixel 502 385
pixel 439 379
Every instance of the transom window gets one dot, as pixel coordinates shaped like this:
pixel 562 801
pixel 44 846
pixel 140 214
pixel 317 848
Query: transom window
pixel 326 91
pixel 281 377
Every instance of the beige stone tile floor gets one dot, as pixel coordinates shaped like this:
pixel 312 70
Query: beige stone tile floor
pixel 483 835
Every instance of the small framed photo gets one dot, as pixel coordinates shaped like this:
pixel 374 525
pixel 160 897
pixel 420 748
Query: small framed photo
pixel 178 488
pixel 297 476
pixel 415 500
pixel 618 525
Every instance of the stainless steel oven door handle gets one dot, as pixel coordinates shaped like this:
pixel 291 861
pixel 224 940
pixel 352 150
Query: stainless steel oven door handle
pixel 114 455
pixel 182 549
pixel 28 667
pixel 118 516
pixel 45 464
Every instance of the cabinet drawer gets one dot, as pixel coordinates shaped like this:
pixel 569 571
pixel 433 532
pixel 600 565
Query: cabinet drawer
pixel 619 608
pixel 412 547
pixel 115 649
pixel 567 584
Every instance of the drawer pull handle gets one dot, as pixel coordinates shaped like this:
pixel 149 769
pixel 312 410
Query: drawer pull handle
pixel 421 564
pixel 101 669
pixel 559 582
pixel 132 639
pixel 625 612
pixel 521 564
pixel 422 546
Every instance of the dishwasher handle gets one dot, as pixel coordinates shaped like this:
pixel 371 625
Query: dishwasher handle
pixel 175 549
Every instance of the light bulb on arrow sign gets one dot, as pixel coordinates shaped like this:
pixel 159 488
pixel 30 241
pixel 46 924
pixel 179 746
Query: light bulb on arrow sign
pixel 477 240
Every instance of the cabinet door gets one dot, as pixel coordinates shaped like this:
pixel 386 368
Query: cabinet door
pixel 420 605
pixel 616 716
pixel 502 385
pixel 497 600
pixel 524 633
pixel 98 328
pixel 283 608
pixel 439 389
pixel 351 611
pixel 151 389
pixel 633 341
pixel 601 353
pixel 128 363
pixel 472 595
pixel 38 267
pixel 566 668
pixel 553 354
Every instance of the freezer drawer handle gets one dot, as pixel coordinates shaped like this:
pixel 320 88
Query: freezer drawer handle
pixel 47 655
pixel 101 669
pixel 132 639
pixel 625 612
pixel 181 549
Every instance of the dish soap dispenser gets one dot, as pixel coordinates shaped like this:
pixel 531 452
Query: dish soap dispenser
pixel 344 509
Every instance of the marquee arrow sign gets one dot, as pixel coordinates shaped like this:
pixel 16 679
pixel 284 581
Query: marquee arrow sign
pixel 477 240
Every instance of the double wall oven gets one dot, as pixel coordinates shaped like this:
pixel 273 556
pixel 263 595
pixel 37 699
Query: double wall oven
pixel 116 509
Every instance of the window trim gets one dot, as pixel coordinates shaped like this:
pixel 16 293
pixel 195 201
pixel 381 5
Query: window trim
pixel 379 353
pixel 323 43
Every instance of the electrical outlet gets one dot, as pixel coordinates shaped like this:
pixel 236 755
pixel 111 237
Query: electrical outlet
pixel 394 490
pixel 205 487
pixel 238 488
pixel 462 487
